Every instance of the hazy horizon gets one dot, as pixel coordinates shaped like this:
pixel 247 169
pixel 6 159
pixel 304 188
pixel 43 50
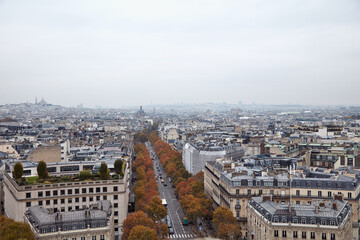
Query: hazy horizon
pixel 115 54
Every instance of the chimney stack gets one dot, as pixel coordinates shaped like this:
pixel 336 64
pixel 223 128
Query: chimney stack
pixel 58 216
pixel 317 208
pixel 335 205
pixel 339 197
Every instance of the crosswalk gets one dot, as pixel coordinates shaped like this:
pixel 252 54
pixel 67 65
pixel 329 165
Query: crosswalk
pixel 184 235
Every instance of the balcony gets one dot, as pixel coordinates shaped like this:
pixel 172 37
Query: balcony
pixel 237 206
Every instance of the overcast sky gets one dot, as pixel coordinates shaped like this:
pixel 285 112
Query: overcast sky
pixel 121 53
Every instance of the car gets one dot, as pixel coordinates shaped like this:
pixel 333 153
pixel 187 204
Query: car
pixel 169 179
pixel 165 184
pixel 171 230
pixel 162 180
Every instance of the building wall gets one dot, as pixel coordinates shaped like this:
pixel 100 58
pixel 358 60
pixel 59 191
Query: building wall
pixel 9 150
pixel 48 154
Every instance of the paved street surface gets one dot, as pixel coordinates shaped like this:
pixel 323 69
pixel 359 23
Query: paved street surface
pixel 174 210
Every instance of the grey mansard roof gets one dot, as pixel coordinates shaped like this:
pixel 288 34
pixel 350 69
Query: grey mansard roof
pixel 44 221
pixel 303 214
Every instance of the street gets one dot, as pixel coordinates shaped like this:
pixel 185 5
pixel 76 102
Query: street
pixel 167 192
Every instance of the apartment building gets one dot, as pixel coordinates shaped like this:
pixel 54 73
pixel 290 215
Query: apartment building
pixel 231 185
pixel 310 186
pixel 330 220
pixel 95 223
pixel 67 195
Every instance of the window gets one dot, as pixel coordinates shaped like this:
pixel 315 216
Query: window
pixel 47 202
pixel 83 190
pixel 250 182
pixel 260 191
pixel 249 191
pixel 297 202
pixel 93 238
pixel 309 193
pixel 97 189
pixel 70 200
pixel 297 192
pixel 116 213
pixel 323 236
pixel 91 199
pixel 55 193
pixel 73 239
pixel 40 194
pixel 115 197
pixel 332 236
pixel 77 199
pixel 28 195
pixel 237 214
pixel 319 193
pixel 276 233
pixel 115 205
pixel 84 199
pixel 116 221
pixel 237 192
pixel 303 234
pixel 70 208
pixel 55 201
pixel 349 195
pixel 40 203
pixel 272 192
pixel 28 204
pixel 104 189
pixel 295 234
pixel 91 190
pixel 102 237
pixel 329 194
pixel 97 198
pixel 284 233
pixel 47 193
pixel 105 197
pixel 69 191
pixel 77 191
pixel 312 235
pixel 62 200
pixel 62 192
pixel 83 238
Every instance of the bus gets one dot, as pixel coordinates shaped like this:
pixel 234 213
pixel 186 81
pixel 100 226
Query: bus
pixel 164 203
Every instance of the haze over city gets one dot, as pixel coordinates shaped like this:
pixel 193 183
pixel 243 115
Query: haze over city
pixel 116 53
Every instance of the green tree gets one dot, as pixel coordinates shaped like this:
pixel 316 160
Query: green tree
pixel 11 230
pixel 18 170
pixel 118 165
pixel 85 174
pixel 143 233
pixel 156 210
pixel 41 170
pixel 103 171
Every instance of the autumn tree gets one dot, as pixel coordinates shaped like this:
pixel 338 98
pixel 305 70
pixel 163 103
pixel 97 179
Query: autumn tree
pixel 103 171
pixel 143 233
pixel 156 209
pixel 223 215
pixel 11 230
pixel 118 166
pixel 162 230
pixel 18 170
pixel 41 170
pixel 135 219
pixel 229 231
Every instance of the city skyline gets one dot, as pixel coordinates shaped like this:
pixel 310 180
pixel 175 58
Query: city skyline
pixel 114 54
